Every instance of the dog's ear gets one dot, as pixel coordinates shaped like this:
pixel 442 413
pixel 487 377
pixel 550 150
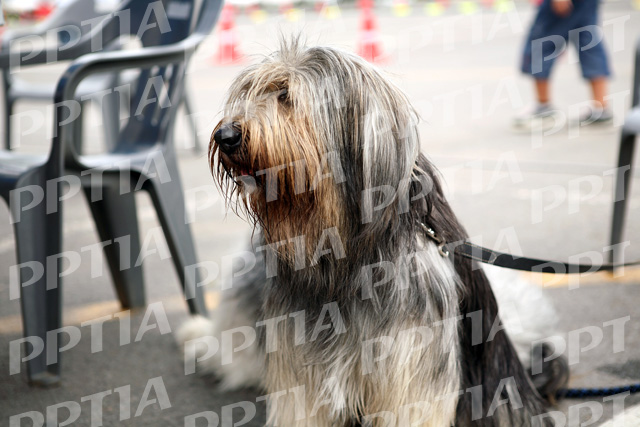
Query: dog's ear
pixel 425 189
pixel 389 145
pixel 428 203
pixel 400 185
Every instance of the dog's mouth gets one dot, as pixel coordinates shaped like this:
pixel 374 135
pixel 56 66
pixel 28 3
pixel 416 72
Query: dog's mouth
pixel 241 171
pixel 235 167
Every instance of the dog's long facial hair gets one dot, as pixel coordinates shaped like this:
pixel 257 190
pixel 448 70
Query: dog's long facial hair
pixel 325 137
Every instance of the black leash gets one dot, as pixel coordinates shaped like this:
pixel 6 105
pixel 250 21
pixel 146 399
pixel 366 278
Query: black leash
pixel 513 262
pixel 500 259
pixel 579 393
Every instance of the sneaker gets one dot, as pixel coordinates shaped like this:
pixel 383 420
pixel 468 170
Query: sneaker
pixel 594 116
pixel 539 117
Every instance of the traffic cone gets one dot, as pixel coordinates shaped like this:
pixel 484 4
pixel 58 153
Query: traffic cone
pixel 369 46
pixel 43 10
pixel 228 52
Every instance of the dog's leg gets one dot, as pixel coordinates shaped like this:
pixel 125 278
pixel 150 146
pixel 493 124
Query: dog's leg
pixel 415 385
pixel 397 373
pixel 397 392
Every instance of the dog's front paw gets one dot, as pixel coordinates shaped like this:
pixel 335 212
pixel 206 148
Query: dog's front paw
pixel 203 342
pixel 194 328
pixel 194 338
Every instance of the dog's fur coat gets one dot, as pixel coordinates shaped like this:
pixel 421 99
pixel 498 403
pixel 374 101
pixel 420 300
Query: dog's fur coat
pixel 421 348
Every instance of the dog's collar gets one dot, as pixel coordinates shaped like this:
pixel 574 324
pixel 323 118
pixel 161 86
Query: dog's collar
pixel 436 238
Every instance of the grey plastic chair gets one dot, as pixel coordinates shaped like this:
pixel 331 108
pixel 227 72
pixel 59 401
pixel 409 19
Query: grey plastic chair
pixel 146 139
pixel 75 16
pixel 630 129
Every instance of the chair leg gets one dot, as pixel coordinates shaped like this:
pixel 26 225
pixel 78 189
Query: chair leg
pixel 115 216
pixel 79 129
pixel 188 110
pixel 8 112
pixel 168 200
pixel 38 242
pixel 623 181
pixel 111 119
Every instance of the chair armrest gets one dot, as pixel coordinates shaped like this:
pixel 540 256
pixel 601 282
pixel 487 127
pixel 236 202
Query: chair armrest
pixel 114 61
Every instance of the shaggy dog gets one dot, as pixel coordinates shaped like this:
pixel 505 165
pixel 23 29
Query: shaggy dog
pixel 361 314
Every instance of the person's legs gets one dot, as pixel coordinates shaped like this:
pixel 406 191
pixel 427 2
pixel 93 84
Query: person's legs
pixel 547 39
pixel 599 90
pixel 599 112
pixel 542 90
pixel 588 39
pixel 542 115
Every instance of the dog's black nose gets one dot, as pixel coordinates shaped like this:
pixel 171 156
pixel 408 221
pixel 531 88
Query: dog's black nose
pixel 228 137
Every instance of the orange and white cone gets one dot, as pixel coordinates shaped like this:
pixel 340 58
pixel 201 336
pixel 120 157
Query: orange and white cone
pixel 228 52
pixel 43 10
pixel 369 46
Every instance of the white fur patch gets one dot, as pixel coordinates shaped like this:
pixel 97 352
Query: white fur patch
pixel 525 310
pixel 247 366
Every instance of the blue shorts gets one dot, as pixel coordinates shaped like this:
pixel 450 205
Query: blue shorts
pixel 551 33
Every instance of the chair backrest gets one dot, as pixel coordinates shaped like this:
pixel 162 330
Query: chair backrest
pixel 155 94
pixel 71 13
pixel 145 19
pixel 66 20
pixel 150 121
pixel 70 20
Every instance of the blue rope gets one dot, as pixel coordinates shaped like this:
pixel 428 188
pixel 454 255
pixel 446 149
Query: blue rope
pixel 576 393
